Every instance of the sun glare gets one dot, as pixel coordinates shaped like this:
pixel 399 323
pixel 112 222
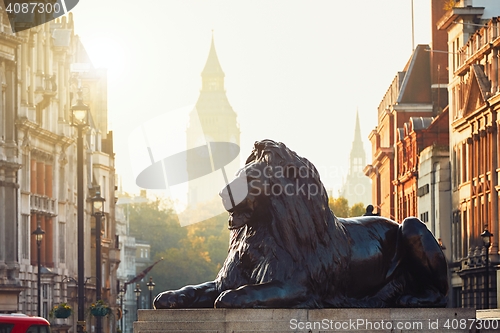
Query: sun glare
pixel 105 53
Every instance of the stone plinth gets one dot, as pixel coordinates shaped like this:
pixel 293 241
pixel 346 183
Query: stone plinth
pixel 315 321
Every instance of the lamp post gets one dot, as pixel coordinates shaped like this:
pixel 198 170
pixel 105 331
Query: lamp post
pixel 38 233
pixel 151 287
pixel 79 119
pixel 486 236
pixel 137 292
pixel 98 212
pixel 121 294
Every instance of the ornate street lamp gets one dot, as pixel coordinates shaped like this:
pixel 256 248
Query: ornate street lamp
pixel 486 236
pixel 38 233
pixel 79 119
pixel 137 292
pixel 98 213
pixel 151 287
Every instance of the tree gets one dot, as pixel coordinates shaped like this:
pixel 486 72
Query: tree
pixel 357 209
pixel 449 4
pixel 155 222
pixel 339 206
pixel 191 254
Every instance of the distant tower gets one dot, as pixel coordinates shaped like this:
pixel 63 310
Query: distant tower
pixel 357 186
pixel 218 124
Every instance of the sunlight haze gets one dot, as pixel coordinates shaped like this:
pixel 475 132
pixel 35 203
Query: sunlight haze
pixel 295 71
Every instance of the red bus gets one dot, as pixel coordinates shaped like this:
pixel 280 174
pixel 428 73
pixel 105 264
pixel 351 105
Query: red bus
pixel 21 323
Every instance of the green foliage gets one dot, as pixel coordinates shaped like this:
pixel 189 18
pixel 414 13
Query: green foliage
pixel 156 223
pixel 449 4
pixel 357 209
pixel 191 254
pixel 340 207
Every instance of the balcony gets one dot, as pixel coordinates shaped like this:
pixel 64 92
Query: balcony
pixel 42 204
pixel 480 43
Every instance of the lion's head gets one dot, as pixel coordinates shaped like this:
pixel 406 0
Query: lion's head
pixel 281 191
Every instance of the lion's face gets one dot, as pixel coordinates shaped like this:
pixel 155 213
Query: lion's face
pixel 241 196
pixel 254 185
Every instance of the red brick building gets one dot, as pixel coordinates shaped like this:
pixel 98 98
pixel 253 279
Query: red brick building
pixel 419 90
pixel 416 135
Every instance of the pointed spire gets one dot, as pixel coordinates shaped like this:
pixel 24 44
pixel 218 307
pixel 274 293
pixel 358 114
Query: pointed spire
pixel 212 67
pixel 357 130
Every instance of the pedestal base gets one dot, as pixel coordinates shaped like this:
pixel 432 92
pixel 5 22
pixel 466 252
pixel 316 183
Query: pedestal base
pixel 315 321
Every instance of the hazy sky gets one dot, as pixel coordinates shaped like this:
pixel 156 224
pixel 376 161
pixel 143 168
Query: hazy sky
pixel 296 71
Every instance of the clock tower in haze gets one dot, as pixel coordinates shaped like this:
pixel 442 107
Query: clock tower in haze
pixel 212 120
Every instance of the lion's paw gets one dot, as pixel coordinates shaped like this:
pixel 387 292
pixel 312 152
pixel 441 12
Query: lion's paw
pixel 232 299
pixel 172 299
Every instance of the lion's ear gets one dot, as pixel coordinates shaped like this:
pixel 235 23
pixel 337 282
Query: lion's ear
pixel 267 157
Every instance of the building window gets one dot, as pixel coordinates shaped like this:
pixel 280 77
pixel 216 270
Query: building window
pixel 41 199
pixel 465 167
pixel 62 242
pixel 456 236
pixel 457 297
pixel 357 165
pixel 423 190
pixel 62 179
pixel 424 217
pixel 45 296
pixel 455 174
pixel 26 173
pixel 465 240
pixel 25 232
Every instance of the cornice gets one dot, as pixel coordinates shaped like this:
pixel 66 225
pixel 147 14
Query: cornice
pixel 494 99
pixel 13 39
pixel 450 16
pixel 36 131
pixel 387 152
pixel 459 124
pixel 4 165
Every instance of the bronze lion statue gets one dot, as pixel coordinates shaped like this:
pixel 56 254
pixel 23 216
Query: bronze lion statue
pixel 288 250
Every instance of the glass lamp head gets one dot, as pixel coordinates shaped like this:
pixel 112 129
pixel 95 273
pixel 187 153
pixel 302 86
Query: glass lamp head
pixel 38 233
pixel 486 237
pixel 151 284
pixel 137 291
pixel 79 111
pixel 97 203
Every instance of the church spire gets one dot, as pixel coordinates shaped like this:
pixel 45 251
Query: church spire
pixel 212 76
pixel 358 142
pixel 212 66
pixel 357 187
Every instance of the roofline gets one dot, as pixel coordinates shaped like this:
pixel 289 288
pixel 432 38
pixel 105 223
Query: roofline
pixel 450 16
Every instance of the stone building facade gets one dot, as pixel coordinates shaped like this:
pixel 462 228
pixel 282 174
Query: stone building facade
pixel 41 70
pixel 433 180
pixel 474 94
pixel 10 285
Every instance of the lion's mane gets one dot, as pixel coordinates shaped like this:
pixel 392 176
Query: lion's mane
pixel 300 226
